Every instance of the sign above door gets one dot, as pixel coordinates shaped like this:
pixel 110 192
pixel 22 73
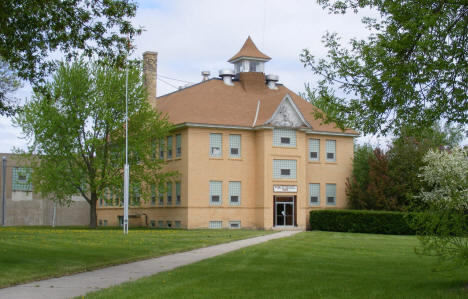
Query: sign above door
pixel 285 188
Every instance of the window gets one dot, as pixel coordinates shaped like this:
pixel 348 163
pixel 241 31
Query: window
pixel 110 199
pixel 153 150
pixel 177 224
pixel 234 224
pixel 160 223
pixel 331 194
pixel 135 195
pixel 254 66
pixel 216 190
pixel 216 224
pixel 177 190
pixel 169 223
pixel 100 222
pixel 161 149
pixel 284 137
pixel 216 147
pixel 314 194
pixel 153 195
pixel 314 149
pixel 21 180
pixel 118 196
pixel 100 201
pixel 330 147
pixel 153 223
pixel 178 138
pixel 234 193
pixel 105 222
pixel 161 195
pixel 284 169
pixel 235 145
pixel 169 147
pixel 169 193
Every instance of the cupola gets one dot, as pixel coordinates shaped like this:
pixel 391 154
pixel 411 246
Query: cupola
pixel 249 59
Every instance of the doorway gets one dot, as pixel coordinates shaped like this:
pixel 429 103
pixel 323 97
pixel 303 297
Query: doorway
pixel 284 211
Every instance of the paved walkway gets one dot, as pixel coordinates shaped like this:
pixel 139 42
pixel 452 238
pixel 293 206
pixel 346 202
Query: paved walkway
pixel 82 283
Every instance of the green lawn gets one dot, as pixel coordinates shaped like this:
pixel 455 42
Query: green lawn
pixel 30 253
pixel 308 265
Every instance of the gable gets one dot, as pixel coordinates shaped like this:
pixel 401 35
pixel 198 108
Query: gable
pixel 287 115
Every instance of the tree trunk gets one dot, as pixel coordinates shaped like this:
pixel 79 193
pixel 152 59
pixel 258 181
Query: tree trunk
pixel 92 211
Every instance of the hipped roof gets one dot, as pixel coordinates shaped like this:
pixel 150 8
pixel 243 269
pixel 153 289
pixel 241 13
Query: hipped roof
pixel 249 50
pixel 212 102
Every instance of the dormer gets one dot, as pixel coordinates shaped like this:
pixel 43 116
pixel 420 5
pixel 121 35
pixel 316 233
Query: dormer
pixel 249 59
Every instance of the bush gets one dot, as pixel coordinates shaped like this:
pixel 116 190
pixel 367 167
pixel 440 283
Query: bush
pixel 361 221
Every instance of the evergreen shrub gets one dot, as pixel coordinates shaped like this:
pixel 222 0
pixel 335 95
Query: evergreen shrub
pixel 362 221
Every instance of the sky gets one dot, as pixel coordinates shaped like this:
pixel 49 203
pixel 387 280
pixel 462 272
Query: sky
pixel 194 36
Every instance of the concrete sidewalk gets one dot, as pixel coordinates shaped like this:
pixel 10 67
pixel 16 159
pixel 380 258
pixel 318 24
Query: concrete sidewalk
pixel 82 283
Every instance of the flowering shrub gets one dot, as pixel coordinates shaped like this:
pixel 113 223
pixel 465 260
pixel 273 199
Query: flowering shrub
pixel 442 224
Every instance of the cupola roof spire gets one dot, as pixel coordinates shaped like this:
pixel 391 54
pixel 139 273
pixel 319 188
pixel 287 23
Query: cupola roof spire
pixel 249 50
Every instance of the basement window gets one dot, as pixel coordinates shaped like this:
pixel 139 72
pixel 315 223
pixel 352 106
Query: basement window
pixel 234 224
pixel 216 224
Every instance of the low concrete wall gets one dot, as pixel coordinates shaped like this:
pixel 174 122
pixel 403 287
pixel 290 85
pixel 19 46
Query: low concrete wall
pixel 28 208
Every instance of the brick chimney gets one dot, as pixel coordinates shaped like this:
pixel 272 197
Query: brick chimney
pixel 150 67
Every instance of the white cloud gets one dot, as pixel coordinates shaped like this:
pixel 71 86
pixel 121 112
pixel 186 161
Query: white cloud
pixel 191 36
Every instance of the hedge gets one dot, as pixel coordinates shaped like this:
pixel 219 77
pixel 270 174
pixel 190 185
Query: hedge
pixel 361 221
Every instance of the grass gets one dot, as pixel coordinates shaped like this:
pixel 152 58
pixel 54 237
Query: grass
pixel 31 253
pixel 308 265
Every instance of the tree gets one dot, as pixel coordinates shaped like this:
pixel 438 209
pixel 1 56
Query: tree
pixel 9 82
pixel 389 180
pixel 442 221
pixel 407 151
pixel 31 29
pixel 76 135
pixel 411 70
pixel 356 185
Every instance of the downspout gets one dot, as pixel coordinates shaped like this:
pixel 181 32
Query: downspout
pixel 256 114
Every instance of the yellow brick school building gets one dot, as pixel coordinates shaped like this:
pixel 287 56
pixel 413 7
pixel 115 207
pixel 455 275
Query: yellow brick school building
pixel 249 152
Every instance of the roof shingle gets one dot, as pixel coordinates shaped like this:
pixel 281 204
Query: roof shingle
pixel 249 50
pixel 214 103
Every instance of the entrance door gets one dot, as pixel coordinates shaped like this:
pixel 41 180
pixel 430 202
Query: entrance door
pixel 284 214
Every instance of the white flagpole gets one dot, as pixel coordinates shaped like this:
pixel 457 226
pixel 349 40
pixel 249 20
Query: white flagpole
pixel 126 167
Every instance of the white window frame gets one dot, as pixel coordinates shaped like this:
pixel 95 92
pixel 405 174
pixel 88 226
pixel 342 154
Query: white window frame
pixel 330 191
pixel 169 147
pixel 231 141
pixel 219 146
pixel 277 175
pixel 169 194
pixel 238 222
pixel 212 193
pixel 280 133
pixel 216 224
pixel 178 145
pixel 317 194
pixel 330 148
pixel 232 188
pixel 317 144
